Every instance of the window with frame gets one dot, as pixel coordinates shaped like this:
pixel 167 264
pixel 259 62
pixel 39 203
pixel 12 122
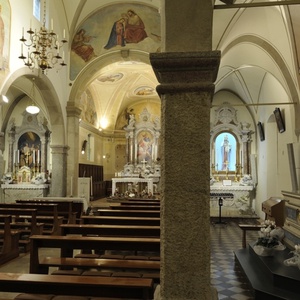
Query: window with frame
pixel 37 9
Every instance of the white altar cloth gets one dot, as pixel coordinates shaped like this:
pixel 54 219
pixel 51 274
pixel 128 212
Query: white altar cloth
pixel 134 180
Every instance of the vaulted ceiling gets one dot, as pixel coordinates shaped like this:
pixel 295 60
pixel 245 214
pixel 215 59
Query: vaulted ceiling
pixel 259 43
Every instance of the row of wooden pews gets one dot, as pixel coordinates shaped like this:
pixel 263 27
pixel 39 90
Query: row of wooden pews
pixel 112 276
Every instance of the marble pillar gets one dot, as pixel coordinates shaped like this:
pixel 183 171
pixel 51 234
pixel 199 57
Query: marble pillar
pixel 186 90
pixel 73 115
pixel 59 167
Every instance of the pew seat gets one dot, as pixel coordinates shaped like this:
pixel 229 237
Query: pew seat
pixel 87 286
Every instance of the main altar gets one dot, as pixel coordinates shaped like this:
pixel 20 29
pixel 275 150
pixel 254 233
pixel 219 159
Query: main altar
pixel 141 174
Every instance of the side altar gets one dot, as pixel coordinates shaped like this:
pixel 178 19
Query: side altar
pixel 25 174
pixel 237 199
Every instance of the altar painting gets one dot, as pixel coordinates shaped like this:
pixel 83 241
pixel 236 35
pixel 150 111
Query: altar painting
pixel 145 147
pixel 29 146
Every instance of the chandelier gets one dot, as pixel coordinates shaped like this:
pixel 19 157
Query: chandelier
pixel 32 108
pixel 43 47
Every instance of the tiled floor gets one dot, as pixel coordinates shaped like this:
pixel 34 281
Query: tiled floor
pixel 225 276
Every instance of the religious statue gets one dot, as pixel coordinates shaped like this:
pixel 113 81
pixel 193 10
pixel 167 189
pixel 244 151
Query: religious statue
pixel 226 151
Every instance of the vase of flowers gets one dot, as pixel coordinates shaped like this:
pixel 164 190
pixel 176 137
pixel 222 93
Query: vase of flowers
pixel 269 239
pixel 295 260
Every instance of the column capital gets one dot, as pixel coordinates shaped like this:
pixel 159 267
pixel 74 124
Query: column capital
pixel 72 110
pixel 185 71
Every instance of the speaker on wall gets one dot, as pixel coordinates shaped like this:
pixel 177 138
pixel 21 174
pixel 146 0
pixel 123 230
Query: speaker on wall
pixel 279 120
pixel 261 132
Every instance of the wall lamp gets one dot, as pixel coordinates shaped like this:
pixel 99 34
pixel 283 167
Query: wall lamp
pixel 83 146
pixel 107 156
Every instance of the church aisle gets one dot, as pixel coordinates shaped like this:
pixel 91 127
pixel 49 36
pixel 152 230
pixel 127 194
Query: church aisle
pixel 226 276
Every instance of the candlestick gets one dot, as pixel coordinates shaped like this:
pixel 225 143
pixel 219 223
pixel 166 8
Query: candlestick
pixel 91 186
pixel 71 186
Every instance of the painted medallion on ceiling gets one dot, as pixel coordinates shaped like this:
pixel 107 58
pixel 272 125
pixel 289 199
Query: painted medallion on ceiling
pixel 115 27
pixel 5 20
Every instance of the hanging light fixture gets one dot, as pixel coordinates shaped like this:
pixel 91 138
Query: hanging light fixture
pixel 32 109
pixel 43 47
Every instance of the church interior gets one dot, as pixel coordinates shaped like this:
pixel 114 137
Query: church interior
pixel 130 101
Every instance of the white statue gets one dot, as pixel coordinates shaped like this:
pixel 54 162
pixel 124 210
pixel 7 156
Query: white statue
pixel 246 180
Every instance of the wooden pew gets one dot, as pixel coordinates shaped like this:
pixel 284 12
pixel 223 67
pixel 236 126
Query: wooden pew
pixel 68 244
pixel 135 207
pixel 126 202
pixel 111 230
pixel 128 213
pixel 147 221
pixel 69 210
pixel 46 213
pixel 125 288
pixel 10 240
pixel 25 228
pixel 98 263
pixel 247 227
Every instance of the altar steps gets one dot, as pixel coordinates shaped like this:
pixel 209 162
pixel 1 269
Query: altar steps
pixel 268 276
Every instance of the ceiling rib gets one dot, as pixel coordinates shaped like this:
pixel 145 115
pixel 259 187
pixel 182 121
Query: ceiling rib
pixel 257 4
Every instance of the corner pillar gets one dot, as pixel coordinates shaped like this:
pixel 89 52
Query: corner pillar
pixel 73 116
pixel 58 178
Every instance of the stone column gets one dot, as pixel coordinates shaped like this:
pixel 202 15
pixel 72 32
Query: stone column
pixel 73 115
pixel 186 92
pixel 44 153
pixel 58 179
pixel 186 72
pixel 11 141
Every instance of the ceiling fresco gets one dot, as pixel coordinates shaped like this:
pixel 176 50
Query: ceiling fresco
pixel 115 27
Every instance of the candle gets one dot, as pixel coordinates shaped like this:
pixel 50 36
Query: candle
pixel 33 156
pixel 64 35
pixel 91 186
pixel 38 156
pixel 30 24
pixel 52 24
pixel 18 156
pixel 71 186
pixel 15 157
pixel 22 32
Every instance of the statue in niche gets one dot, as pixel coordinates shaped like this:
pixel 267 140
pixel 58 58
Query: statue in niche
pixel 131 121
pixel 226 151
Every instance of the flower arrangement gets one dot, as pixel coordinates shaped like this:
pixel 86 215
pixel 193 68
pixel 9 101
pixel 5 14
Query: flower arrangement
pixel 269 239
pixel 295 260
pixel 266 239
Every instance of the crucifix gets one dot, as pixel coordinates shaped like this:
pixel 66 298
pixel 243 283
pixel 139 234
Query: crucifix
pixel 144 163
